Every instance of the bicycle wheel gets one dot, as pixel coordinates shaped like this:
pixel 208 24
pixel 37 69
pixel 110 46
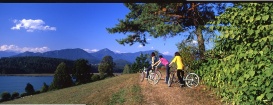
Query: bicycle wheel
pixel 192 80
pixel 141 76
pixel 153 78
pixel 171 80
pixel 159 73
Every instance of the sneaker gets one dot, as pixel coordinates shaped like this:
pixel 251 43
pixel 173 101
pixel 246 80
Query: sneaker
pixel 182 85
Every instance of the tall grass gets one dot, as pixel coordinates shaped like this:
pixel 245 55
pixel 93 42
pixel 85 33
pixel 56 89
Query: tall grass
pixel 122 89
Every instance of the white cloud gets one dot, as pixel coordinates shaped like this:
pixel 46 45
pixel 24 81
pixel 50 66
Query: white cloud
pixel 152 47
pixel 149 39
pixel 140 46
pixel 166 53
pixel 91 51
pixel 22 49
pixel 31 25
pixel 194 42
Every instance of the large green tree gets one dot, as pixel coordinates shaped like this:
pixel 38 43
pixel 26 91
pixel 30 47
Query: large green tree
pixel 82 71
pixel 106 66
pixel 240 66
pixel 62 78
pixel 166 20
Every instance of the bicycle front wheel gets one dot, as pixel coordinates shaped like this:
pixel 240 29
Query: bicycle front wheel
pixel 171 80
pixel 153 78
pixel 192 80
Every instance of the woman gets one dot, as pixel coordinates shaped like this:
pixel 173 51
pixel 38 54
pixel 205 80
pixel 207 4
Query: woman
pixel 152 64
pixel 165 62
pixel 180 72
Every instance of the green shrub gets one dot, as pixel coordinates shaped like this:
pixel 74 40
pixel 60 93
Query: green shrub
pixel 95 77
pixel 5 96
pixel 15 95
pixel 29 89
pixel 45 88
pixel 23 95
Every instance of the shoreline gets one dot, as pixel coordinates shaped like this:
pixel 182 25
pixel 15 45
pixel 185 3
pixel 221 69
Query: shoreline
pixel 26 74
pixel 40 74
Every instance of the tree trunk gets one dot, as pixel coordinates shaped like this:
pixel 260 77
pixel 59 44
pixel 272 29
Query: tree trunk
pixel 200 40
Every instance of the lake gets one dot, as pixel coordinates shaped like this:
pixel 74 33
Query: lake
pixel 18 83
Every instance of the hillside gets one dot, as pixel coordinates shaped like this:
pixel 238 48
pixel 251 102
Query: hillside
pixel 123 89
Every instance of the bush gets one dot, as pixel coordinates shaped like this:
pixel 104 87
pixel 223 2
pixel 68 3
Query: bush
pixel 45 88
pixel 15 95
pixel 95 77
pixel 29 89
pixel 5 96
pixel 23 95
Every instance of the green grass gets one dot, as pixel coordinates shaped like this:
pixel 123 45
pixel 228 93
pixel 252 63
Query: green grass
pixel 122 89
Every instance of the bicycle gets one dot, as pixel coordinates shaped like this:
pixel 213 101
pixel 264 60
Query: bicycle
pixel 153 77
pixel 191 79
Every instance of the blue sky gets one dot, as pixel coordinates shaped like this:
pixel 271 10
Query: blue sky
pixel 40 27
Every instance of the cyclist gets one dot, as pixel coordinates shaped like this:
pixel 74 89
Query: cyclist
pixel 165 62
pixel 180 72
pixel 152 64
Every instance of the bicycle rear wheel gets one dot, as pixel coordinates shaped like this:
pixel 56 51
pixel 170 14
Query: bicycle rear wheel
pixel 171 80
pixel 141 76
pixel 153 78
pixel 192 80
pixel 159 73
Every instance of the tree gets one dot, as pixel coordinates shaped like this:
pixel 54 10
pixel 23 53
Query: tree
pixel 45 87
pixel 82 71
pixel 5 96
pixel 140 62
pixel 29 89
pixel 126 69
pixel 106 66
pixel 188 52
pixel 166 20
pixel 15 95
pixel 61 79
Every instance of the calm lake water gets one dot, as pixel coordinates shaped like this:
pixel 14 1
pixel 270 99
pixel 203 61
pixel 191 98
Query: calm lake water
pixel 18 83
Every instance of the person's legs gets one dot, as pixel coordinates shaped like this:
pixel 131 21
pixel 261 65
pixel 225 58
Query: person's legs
pixel 180 76
pixel 167 73
pixel 148 70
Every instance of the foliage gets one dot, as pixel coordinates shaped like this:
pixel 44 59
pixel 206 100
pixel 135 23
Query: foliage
pixel 188 52
pixel 240 66
pixel 126 69
pixel 29 89
pixel 82 71
pixel 30 65
pixel 106 66
pixel 45 87
pixel 166 20
pixel 5 96
pixel 14 95
pixel 140 62
pixel 61 79
pixel 95 77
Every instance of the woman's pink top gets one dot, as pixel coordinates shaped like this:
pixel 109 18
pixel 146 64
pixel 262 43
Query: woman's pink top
pixel 164 61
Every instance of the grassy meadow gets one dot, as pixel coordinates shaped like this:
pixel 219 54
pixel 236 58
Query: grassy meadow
pixel 122 89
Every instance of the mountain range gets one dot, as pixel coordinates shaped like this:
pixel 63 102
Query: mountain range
pixel 77 53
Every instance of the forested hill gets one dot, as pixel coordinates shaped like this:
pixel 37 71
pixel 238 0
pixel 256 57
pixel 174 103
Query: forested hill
pixel 29 65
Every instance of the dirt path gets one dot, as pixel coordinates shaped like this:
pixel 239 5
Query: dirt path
pixel 161 94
